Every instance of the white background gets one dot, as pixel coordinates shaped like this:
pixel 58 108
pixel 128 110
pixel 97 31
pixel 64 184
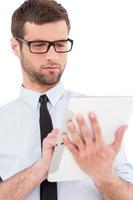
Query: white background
pixel 101 62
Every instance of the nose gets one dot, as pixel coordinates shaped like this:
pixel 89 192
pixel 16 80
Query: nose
pixel 51 54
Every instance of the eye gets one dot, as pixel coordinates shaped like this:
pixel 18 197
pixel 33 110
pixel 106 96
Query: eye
pixel 39 44
pixel 60 44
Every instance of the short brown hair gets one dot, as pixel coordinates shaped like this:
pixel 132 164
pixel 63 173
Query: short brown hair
pixel 38 12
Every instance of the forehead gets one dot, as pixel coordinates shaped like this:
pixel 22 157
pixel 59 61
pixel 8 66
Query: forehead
pixel 48 31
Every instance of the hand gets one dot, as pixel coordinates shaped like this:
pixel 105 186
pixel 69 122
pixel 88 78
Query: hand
pixel 47 151
pixel 92 154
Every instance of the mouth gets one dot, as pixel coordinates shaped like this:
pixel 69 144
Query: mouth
pixel 51 68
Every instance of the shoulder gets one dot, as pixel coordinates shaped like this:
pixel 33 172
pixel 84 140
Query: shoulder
pixel 71 94
pixel 10 107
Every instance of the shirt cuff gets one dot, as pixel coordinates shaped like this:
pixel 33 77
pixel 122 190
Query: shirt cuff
pixel 125 172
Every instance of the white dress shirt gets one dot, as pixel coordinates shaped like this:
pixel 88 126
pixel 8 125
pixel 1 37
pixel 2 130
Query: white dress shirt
pixel 20 144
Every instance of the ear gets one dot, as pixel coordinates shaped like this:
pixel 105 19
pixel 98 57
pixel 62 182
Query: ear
pixel 15 46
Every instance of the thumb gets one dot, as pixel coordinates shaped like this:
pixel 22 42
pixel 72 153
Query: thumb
pixel 118 137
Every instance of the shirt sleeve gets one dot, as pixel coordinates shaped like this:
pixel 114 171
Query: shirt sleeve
pixel 122 166
pixel 125 172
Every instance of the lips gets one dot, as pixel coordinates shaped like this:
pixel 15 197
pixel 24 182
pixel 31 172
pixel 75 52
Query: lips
pixel 51 68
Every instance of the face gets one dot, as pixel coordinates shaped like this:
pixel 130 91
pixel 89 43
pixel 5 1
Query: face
pixel 47 68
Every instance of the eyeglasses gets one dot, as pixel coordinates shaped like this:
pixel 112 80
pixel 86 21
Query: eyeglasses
pixel 42 46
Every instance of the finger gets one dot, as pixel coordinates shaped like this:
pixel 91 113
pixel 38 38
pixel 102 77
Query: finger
pixel 95 127
pixel 51 138
pixel 84 129
pixel 71 147
pixel 49 142
pixel 118 137
pixel 53 133
pixel 48 146
pixel 76 138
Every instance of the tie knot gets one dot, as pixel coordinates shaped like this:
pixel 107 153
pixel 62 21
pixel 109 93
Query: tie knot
pixel 43 99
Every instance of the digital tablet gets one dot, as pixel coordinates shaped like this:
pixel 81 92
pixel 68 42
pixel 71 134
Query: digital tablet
pixel 112 112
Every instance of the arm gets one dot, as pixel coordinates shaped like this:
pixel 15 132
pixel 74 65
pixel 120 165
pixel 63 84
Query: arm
pixel 116 189
pixel 96 158
pixel 22 184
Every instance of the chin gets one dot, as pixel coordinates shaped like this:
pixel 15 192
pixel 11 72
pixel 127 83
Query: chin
pixel 49 82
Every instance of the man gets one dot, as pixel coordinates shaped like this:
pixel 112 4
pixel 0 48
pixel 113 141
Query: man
pixel 40 41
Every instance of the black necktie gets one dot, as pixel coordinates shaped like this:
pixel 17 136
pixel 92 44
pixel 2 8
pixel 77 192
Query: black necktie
pixel 48 190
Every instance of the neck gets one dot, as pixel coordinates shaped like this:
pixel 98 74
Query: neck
pixel 37 87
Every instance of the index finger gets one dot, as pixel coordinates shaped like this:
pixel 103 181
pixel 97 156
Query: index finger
pixel 95 127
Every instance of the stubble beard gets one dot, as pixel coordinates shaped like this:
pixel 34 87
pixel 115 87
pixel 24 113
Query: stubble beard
pixel 40 77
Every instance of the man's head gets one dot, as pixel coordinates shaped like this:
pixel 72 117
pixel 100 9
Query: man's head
pixel 38 12
pixel 41 20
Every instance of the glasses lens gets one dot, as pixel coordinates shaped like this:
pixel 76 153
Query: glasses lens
pixel 60 46
pixel 39 47
pixel 63 46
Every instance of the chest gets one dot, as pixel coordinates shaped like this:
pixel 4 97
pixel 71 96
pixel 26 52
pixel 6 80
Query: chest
pixel 20 144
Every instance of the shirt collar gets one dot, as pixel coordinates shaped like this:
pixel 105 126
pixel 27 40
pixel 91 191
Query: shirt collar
pixel 32 97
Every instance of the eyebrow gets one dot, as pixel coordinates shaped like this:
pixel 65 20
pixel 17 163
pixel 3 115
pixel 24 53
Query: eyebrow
pixel 38 39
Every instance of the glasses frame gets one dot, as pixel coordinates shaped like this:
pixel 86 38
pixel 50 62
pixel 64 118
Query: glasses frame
pixel 28 43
